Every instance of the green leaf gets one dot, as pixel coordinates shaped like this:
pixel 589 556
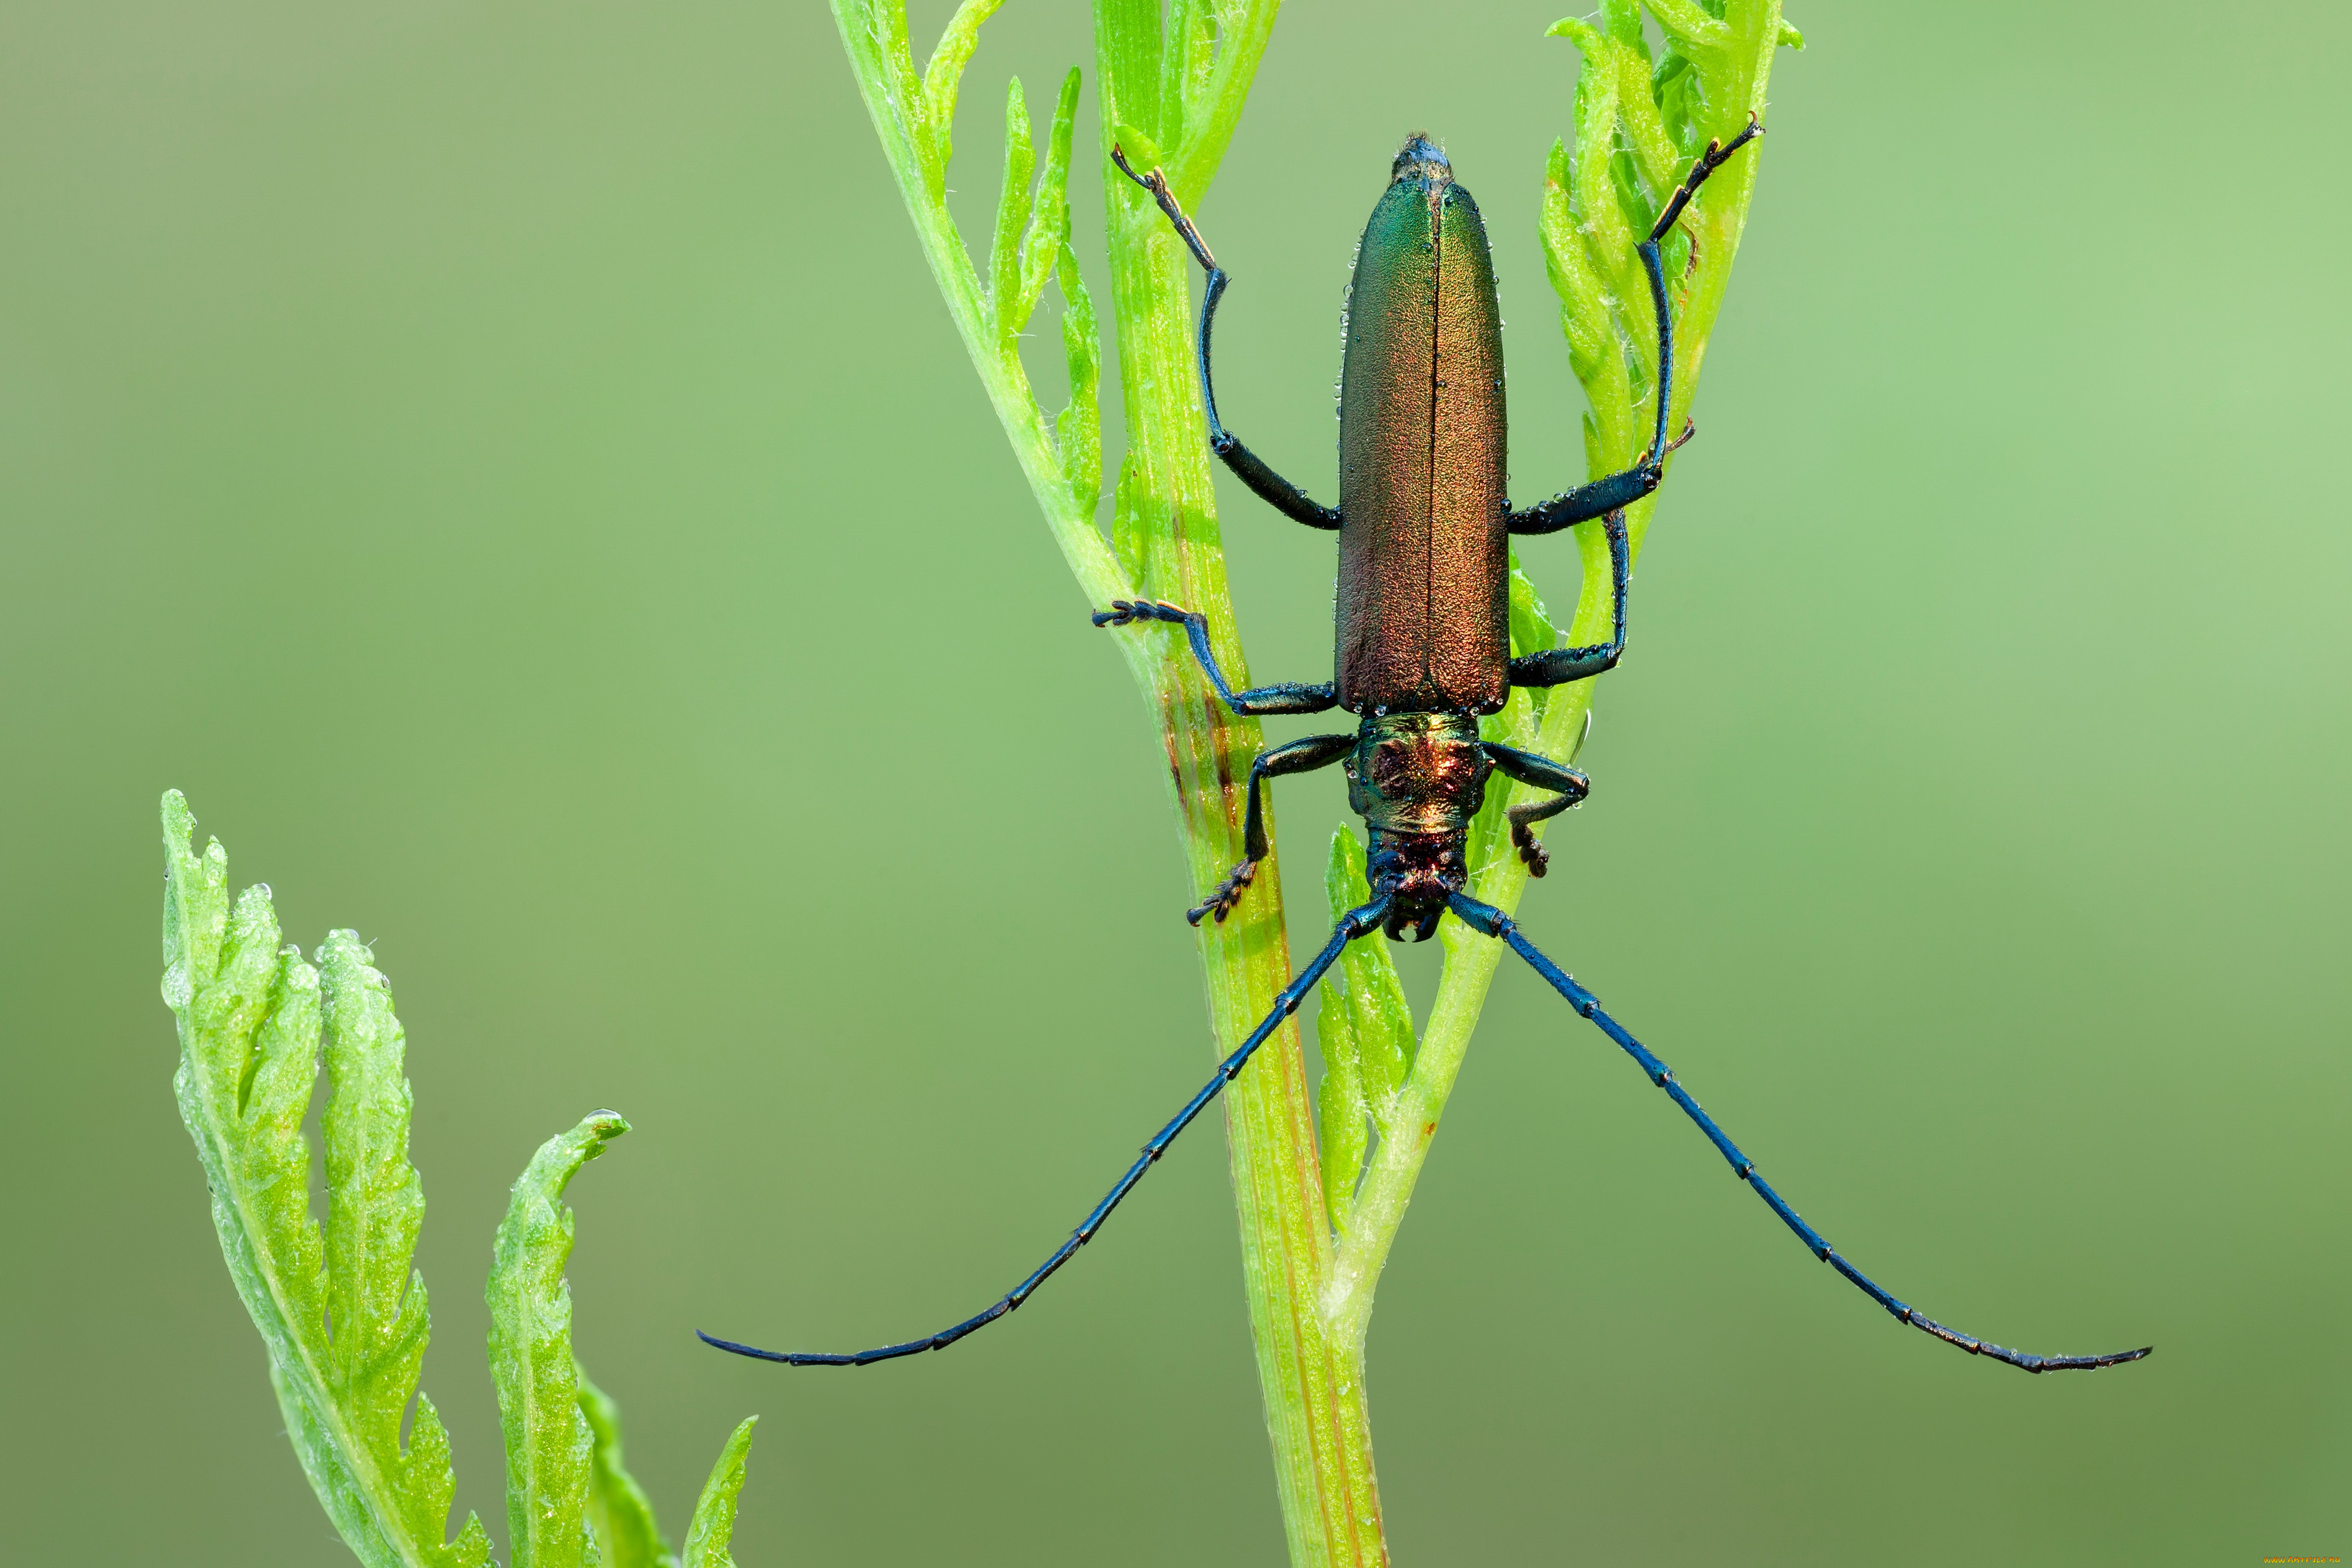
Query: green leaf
pixel 1143 154
pixel 1342 1116
pixel 711 1535
pixel 253 1021
pixel 1047 239
pixel 550 1445
pixel 1078 429
pixel 1379 1020
pixel 1517 725
pixel 1012 209
pixel 618 1510
pixel 943 75
pixel 1688 23
pixel 1584 303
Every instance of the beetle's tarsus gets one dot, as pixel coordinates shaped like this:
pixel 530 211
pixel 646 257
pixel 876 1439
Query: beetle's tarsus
pixel 1228 893
pixel 1123 612
pixel 1531 850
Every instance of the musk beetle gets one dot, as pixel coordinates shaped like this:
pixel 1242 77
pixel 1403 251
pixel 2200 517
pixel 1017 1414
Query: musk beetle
pixel 1423 640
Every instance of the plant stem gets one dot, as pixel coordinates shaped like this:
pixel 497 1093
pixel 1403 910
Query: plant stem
pixel 1312 1384
pixel 1182 86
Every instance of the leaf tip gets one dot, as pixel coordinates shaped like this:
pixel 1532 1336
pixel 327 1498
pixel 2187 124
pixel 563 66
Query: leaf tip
pixel 1584 34
pixel 1141 149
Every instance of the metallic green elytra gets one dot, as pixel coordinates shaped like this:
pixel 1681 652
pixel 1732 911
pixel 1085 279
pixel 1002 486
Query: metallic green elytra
pixel 1423 614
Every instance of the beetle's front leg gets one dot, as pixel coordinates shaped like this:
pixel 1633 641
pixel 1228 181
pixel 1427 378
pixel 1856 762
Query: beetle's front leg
pixel 1298 756
pixel 1542 772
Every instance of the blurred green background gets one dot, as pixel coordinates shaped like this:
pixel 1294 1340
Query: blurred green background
pixel 509 466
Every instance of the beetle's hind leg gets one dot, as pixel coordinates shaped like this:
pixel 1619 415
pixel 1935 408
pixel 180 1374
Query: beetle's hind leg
pixel 1298 756
pixel 1570 786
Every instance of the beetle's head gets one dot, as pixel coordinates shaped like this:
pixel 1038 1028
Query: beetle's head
pixel 1420 159
pixel 1418 872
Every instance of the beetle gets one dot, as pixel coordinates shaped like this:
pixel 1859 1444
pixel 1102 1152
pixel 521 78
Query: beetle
pixel 1423 641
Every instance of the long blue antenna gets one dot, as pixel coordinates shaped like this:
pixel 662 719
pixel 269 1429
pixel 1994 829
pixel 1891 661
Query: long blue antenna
pixel 1355 924
pixel 1487 918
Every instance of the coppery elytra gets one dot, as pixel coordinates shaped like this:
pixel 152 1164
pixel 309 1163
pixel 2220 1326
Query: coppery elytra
pixel 1422 639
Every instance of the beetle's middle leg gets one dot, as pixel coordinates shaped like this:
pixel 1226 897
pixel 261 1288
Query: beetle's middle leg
pixel 1268 485
pixel 1298 756
pixel 1570 786
pixel 1284 696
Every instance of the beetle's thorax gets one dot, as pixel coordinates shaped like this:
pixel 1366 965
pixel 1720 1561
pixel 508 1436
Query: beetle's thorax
pixel 1417 774
pixel 1417 779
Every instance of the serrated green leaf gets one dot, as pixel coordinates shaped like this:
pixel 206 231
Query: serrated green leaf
pixel 619 1513
pixel 550 1445
pixel 254 1020
pixel 710 1539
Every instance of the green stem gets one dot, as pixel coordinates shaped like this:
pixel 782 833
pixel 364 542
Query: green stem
pixel 1182 85
pixel 1312 1385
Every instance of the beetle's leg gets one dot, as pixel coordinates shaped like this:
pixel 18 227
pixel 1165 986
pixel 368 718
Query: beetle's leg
pixel 1558 666
pixel 1354 923
pixel 1571 788
pixel 1287 696
pixel 1298 756
pixel 1589 501
pixel 1493 921
pixel 1268 485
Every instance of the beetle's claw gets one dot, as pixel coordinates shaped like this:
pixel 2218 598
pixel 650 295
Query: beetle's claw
pixel 1538 858
pixel 1228 893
